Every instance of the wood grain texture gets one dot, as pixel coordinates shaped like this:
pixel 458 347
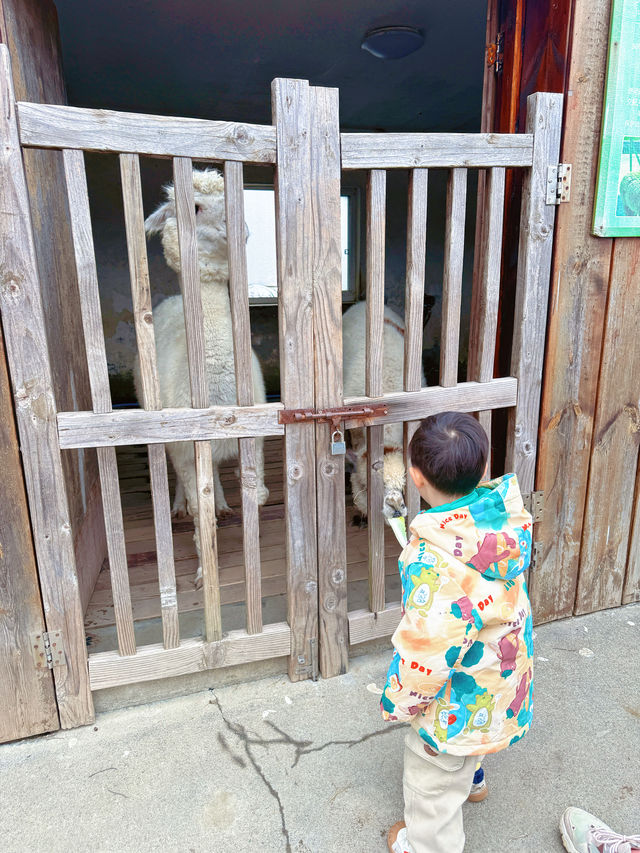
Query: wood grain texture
pixel 413 311
pixel 137 426
pixel 27 696
pixel 364 625
pixel 544 119
pixel 106 669
pixel 294 233
pixel 576 321
pixel 431 150
pixel 327 334
pixel 48 126
pixel 164 545
pixel 376 213
pixel 90 542
pixel 452 276
pixel 239 297
pixel 26 344
pixel 194 325
pixel 631 591
pixel 609 507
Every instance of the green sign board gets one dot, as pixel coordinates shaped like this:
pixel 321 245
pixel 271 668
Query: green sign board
pixel 617 205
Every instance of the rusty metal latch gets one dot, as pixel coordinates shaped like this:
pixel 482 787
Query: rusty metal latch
pixel 332 416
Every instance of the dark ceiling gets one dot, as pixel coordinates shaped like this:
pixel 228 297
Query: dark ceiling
pixel 216 59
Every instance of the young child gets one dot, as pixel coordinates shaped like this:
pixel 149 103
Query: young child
pixel 463 663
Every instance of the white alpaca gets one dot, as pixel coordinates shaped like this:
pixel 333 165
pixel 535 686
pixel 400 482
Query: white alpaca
pixel 171 344
pixel 353 377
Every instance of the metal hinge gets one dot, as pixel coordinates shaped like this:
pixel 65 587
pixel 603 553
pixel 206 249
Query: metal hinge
pixel 47 649
pixel 310 665
pixel 495 53
pixel 558 183
pixel 536 556
pixel 534 503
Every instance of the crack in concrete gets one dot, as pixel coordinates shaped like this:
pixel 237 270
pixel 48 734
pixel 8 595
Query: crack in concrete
pixel 305 747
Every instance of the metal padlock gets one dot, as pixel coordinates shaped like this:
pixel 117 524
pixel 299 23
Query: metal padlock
pixel 338 446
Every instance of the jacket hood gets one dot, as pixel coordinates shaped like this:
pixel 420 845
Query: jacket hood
pixel 491 534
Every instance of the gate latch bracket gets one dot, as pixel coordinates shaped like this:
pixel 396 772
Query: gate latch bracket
pixel 47 649
pixel 558 183
pixel 332 416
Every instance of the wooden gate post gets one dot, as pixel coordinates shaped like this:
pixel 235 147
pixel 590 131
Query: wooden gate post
pixel 294 240
pixel 544 119
pixel 25 336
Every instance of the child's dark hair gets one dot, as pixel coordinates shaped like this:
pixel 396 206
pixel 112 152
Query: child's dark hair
pixel 450 449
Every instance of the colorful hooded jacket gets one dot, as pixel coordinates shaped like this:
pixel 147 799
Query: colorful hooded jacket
pixel 462 670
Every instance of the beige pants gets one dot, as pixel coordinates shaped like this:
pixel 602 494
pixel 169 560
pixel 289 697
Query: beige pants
pixel 435 787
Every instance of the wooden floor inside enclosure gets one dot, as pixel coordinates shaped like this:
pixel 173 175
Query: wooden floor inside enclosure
pixel 143 571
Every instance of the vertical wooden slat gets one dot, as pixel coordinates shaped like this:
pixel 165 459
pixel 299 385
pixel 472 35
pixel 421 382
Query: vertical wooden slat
pixel 452 277
pixel 413 310
pixel 631 591
pixel 80 217
pixel 544 116
pixel 239 295
pixel 194 324
pixel 32 384
pixel 294 230
pixel 143 320
pixel 376 203
pixel 327 319
pixel 486 286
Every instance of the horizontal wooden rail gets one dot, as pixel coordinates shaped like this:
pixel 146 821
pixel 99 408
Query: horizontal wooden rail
pixel 436 150
pixel 108 669
pixel 137 426
pixel 365 625
pixel 415 405
pixel 51 126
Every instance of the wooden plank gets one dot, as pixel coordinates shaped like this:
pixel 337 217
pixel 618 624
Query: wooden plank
pixel 239 297
pixel 27 696
pixel 106 669
pixel 579 280
pixel 631 591
pixel 452 276
pixel 143 321
pixel 90 543
pixel 137 426
pixel 413 313
pixel 416 405
pixel 24 330
pixel 194 324
pixel 431 150
pixel 376 212
pixel 48 126
pixel 364 625
pixel 327 333
pixel 294 233
pixel 606 530
pixel 544 115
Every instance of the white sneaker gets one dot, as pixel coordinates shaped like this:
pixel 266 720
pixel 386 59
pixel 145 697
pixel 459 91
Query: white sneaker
pixel 584 833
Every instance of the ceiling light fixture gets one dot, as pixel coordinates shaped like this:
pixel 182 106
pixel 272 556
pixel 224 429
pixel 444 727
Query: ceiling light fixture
pixel 392 42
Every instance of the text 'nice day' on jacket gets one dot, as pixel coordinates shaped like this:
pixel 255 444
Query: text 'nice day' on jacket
pixel 462 670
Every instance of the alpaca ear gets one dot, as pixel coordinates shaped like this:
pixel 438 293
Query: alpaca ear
pixel 155 223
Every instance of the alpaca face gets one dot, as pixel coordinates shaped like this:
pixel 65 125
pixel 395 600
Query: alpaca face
pixel 394 477
pixel 211 228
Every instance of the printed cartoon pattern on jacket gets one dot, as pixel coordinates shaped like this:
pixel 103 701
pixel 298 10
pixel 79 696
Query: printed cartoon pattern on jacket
pixel 462 670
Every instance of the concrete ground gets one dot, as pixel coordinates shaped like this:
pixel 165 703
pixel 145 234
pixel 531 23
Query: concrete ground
pixel 311 768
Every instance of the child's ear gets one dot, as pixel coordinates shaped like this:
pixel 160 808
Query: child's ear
pixel 417 477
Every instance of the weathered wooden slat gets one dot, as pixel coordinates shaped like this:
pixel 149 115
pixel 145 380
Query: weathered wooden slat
pixel 137 426
pixel 544 116
pixel 579 283
pixel 606 529
pixel 416 405
pixel 420 150
pixel 239 297
pixel 327 318
pixel 32 385
pixel 294 233
pixel 413 310
pixel 631 591
pixel 164 545
pixel 116 547
pixel 452 276
pixel 194 324
pixel 48 126
pixel 107 669
pixel 364 625
pixel 376 212
pixel 80 215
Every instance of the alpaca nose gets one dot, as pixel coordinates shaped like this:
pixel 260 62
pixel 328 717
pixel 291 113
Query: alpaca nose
pixel 394 505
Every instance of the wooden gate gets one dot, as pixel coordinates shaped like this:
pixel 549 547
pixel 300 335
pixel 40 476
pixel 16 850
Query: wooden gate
pixel 309 152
